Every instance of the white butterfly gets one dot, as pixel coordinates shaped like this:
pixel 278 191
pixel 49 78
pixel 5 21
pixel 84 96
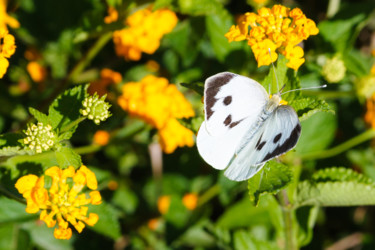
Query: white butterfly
pixel 244 127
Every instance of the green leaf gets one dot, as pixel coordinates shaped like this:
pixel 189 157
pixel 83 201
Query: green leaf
pixel 306 218
pixel 336 187
pixel 108 223
pixel 67 157
pixel 42 236
pixel 364 159
pixel 158 4
pixel 199 7
pixel 65 109
pixel 13 211
pixel 273 177
pixel 306 107
pixel 177 213
pixel 39 116
pixel 281 76
pixel 217 26
pixel 16 150
pixel 357 63
pixel 126 199
pixel 244 240
pixel 342 31
pixel 10 139
pixel 197 236
pixel 317 133
pixel 196 86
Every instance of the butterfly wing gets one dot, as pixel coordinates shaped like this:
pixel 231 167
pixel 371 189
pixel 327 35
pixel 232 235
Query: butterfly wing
pixel 232 104
pixel 278 134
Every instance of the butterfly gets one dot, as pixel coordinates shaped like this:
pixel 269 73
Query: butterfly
pixel 244 127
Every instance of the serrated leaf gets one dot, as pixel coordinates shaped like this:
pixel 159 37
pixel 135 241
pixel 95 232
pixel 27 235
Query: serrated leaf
pixel 15 150
pixel 108 223
pixel 67 157
pixel 10 139
pixel 39 116
pixel 273 177
pixel 67 135
pixel 65 109
pixel 336 187
pixel 306 107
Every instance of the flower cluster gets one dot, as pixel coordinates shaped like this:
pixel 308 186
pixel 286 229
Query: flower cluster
pixel 7 44
pixel 144 32
pixel 63 201
pixel 334 70
pixel 95 108
pixel 277 30
pixel 7 49
pixel 39 137
pixel 159 104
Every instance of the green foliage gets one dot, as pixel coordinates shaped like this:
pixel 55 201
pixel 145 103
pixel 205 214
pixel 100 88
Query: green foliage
pixel 271 179
pixel 336 187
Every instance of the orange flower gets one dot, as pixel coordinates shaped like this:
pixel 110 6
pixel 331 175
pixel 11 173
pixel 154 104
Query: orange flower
pixel 163 204
pixel 160 104
pixel 36 71
pixel 370 111
pixel 112 15
pixel 146 29
pixel 101 137
pixel 112 185
pixel 153 224
pixel 7 49
pixel 190 201
pixel 278 29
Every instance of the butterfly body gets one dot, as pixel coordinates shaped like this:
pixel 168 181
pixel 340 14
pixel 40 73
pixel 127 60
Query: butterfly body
pixel 244 127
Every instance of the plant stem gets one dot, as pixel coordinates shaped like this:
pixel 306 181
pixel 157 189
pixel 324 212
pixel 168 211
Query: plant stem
pixel 367 135
pixel 209 194
pixel 287 210
pixel 72 124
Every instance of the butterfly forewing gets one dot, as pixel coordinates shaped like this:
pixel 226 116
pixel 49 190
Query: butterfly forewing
pixel 232 105
pixel 229 99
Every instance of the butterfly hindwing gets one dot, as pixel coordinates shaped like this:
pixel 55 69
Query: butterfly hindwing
pixel 232 105
pixel 278 134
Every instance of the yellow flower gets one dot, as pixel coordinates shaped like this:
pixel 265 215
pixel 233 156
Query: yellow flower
pixel 101 137
pixel 159 103
pixel 112 15
pixel 62 202
pixel 163 204
pixel 190 201
pixel 36 71
pixel 7 49
pixel 5 19
pixel 278 29
pixel 144 32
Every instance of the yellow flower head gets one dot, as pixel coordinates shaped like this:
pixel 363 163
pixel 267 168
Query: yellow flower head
pixel 7 49
pixel 159 103
pixel 144 32
pixel 5 19
pixel 63 202
pixel 36 71
pixel 190 201
pixel 39 137
pixel 278 29
pixel 112 15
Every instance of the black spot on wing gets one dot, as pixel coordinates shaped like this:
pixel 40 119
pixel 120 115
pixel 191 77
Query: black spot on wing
pixel 233 124
pixel 260 139
pixel 287 145
pixel 261 145
pixel 228 120
pixel 227 100
pixel 277 138
pixel 213 88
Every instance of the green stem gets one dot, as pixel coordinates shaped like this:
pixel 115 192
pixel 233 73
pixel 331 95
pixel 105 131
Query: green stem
pixel 367 135
pixel 287 210
pixel 100 43
pixel 209 194
pixel 87 149
pixel 72 124
pixel 324 94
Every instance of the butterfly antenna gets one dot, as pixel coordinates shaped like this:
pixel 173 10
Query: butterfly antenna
pixel 316 87
pixel 274 69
